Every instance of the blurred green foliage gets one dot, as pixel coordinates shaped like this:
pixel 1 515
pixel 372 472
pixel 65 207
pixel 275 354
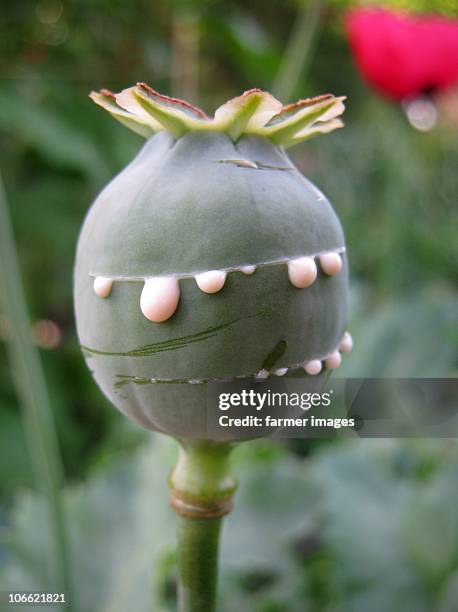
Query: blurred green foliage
pixel 362 526
pixel 356 527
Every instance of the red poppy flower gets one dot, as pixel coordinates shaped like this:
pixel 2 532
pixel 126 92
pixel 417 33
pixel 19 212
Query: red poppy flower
pixel 403 55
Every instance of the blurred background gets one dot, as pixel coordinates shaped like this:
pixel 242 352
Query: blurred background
pixel 335 525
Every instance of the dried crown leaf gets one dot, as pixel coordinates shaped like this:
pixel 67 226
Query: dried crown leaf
pixel 256 112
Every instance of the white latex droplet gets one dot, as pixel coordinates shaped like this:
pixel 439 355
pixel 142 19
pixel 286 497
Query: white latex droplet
pixel 302 272
pixel 160 297
pixel 211 282
pixel 262 374
pixel 280 371
pixel 334 360
pixel 248 270
pixel 346 344
pixel 103 286
pixel 331 263
pixel 313 367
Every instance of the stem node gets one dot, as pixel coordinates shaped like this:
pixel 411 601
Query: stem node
pixel 202 493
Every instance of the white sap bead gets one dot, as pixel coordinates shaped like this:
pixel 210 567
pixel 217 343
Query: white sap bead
pixel 103 286
pixel 262 374
pixel 248 270
pixel 160 297
pixel 331 263
pixel 280 371
pixel 211 282
pixel 313 367
pixel 302 272
pixel 346 344
pixel 333 361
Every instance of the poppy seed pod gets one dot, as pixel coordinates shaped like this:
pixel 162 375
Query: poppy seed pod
pixel 209 257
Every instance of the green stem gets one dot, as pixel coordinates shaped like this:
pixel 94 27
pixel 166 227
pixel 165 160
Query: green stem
pixel 298 49
pixel 32 393
pixel 202 491
pixel 198 543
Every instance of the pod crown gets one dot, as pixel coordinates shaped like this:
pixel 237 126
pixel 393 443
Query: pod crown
pixel 256 112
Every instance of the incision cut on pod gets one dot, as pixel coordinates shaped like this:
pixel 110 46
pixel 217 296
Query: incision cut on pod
pixel 161 294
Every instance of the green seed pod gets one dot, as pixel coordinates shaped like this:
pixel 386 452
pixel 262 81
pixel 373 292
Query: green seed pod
pixel 209 257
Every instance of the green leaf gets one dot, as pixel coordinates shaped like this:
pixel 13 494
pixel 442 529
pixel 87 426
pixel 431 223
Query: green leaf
pixel 361 504
pixel 410 336
pixel 363 512
pixel 273 506
pixel 431 524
